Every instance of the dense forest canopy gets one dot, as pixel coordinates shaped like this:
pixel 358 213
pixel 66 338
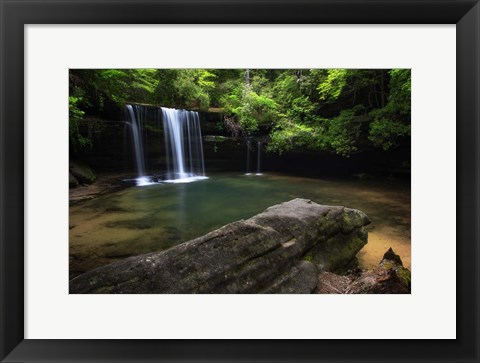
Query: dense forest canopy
pixel 342 111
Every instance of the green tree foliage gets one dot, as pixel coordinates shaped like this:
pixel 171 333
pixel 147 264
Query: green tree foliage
pixel 92 90
pixel 289 135
pixel 250 104
pixel 193 87
pixel 341 111
pixel 332 86
pixel 77 140
pixel 250 108
pixel 115 85
pixel 392 122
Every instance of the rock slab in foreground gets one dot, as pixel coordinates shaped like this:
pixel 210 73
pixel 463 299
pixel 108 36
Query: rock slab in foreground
pixel 280 250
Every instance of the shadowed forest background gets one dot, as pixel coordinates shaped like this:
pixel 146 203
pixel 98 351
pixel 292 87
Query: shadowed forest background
pixel 339 112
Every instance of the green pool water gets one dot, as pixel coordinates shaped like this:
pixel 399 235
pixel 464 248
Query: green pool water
pixel 144 219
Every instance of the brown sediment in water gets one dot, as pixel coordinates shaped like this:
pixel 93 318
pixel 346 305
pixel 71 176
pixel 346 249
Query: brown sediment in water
pixel 104 184
pixel 145 219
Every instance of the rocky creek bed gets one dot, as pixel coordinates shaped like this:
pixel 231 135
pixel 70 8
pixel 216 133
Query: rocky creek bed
pixel 293 247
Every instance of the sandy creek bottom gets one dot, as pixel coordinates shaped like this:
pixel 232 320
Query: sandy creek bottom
pixel 144 219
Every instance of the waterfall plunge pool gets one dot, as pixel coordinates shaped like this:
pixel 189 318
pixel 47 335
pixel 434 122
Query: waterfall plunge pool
pixel 148 180
pixel 155 217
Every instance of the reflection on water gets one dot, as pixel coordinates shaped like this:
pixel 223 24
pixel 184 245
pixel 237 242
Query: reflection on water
pixel 155 217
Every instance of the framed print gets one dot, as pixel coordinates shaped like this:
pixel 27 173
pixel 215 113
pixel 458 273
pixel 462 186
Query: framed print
pixel 193 114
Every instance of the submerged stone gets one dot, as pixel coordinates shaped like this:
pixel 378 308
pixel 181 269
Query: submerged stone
pixel 129 224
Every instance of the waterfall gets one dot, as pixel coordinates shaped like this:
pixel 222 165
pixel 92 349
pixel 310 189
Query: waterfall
pixel 183 145
pixel 136 120
pixel 183 142
pixel 250 163
pixel 259 158
pixel 248 157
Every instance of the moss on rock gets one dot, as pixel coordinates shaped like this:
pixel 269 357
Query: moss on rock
pixel 82 172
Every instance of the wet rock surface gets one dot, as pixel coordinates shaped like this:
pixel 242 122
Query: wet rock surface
pixel 104 184
pixel 281 250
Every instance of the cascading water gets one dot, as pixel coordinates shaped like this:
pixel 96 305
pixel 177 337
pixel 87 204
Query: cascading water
pixel 250 151
pixel 183 144
pixel 136 120
pixel 259 158
pixel 248 157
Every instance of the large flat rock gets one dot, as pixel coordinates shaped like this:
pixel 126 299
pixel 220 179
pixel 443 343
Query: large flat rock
pixel 280 250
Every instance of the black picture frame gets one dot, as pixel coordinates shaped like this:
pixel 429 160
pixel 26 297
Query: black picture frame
pixel 15 14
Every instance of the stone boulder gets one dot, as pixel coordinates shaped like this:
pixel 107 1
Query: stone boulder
pixel 277 251
pixel 82 172
pixel 72 181
pixel 390 277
